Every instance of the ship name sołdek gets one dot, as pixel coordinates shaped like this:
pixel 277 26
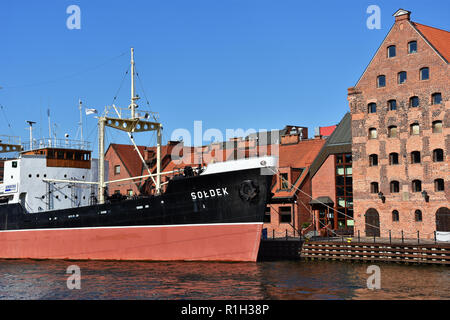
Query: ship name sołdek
pixel 211 193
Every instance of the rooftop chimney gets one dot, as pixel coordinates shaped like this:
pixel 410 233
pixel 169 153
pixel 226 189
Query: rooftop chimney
pixel 402 14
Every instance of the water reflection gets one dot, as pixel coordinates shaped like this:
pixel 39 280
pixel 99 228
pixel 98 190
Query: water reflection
pixel 26 279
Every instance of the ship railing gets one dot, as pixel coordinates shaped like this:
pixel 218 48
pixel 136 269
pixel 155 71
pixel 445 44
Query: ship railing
pixel 56 143
pixel 5 139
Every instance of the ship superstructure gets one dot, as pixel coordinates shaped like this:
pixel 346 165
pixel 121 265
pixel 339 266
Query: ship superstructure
pixel 29 178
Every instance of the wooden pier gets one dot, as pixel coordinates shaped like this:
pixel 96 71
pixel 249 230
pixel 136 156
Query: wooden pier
pixel 409 253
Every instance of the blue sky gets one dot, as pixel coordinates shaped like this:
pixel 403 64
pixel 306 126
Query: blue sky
pixel 229 63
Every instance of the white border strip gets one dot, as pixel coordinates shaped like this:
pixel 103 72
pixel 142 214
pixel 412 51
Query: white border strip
pixel 146 226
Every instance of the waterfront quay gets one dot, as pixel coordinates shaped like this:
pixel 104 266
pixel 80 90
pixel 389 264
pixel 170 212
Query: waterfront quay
pixel 405 251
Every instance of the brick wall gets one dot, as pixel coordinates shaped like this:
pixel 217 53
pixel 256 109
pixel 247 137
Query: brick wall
pixel 366 91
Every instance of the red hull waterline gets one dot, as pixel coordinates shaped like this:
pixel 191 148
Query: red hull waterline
pixel 203 242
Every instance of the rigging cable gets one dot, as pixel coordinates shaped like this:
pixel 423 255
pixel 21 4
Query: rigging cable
pixel 6 119
pixel 67 76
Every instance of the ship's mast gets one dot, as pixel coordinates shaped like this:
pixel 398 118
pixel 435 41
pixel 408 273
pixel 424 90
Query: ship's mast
pixel 130 125
pixel 133 104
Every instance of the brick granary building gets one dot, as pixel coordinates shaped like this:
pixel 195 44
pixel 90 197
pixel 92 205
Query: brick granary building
pixel 400 124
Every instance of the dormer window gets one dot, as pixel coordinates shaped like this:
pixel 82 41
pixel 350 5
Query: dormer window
pixel 381 81
pixel 391 51
pixel 284 183
pixel 412 47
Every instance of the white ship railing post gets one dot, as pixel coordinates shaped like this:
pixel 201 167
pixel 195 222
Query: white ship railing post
pixel 158 160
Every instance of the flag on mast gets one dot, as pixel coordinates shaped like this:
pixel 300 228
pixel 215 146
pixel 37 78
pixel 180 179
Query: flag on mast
pixel 90 111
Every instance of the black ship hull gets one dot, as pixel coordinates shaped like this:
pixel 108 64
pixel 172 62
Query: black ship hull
pixel 203 217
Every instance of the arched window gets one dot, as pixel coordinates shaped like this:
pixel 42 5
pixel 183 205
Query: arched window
pixel 373 133
pixel 412 47
pixel 418 215
pixel 395 216
pixel 438 155
pixel 392 105
pixel 436 98
pixel 392 131
pixel 381 81
pixel 414 102
pixel 373 160
pixel 424 73
pixel 391 52
pixel 393 158
pixel 414 129
pixel 415 157
pixel 437 126
pixel 395 186
pixel 372 108
pixel 401 77
pixel 417 186
pixel 374 187
pixel 439 185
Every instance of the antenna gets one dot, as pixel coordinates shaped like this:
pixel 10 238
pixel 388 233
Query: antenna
pixel 30 123
pixel 80 106
pixel 49 126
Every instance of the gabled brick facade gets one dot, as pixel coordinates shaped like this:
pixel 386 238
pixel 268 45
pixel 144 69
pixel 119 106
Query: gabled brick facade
pixel 379 130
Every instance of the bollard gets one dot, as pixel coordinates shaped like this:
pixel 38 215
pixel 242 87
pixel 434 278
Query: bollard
pixel 286 235
pixel 390 239
pixel 418 238
pixel 359 238
pixel 435 237
pixel 273 233
pixel 402 236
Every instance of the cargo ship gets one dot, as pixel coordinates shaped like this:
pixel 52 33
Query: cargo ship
pixel 54 203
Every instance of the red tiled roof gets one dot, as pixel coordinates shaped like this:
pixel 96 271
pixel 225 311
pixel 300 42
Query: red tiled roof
pixel 326 131
pixel 294 156
pixel 439 39
pixel 129 157
pixel 300 155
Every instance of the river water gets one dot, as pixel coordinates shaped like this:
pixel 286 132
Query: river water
pixel 310 280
